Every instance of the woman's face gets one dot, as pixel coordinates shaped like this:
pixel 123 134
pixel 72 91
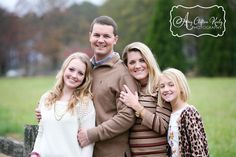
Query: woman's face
pixel 74 74
pixel 137 67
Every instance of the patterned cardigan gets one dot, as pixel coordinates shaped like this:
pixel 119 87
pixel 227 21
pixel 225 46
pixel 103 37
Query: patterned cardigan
pixel 192 136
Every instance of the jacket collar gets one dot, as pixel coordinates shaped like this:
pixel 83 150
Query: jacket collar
pixel 108 61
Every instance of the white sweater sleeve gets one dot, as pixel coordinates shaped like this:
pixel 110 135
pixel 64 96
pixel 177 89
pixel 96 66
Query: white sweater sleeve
pixel 38 139
pixel 87 122
pixel 40 129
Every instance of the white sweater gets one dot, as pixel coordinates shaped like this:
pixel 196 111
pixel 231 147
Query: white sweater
pixel 58 138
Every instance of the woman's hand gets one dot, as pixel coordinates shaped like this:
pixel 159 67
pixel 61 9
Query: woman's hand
pixel 130 99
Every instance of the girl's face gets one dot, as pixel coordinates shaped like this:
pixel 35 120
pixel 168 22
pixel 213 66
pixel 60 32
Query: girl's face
pixel 74 74
pixel 168 89
pixel 137 66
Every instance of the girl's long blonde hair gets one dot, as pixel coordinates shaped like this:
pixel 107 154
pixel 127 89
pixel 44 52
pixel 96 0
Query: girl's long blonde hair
pixel 82 93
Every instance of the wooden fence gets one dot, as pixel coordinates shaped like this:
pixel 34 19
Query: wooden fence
pixel 15 148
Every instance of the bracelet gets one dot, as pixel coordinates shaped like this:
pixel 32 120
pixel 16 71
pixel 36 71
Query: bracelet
pixel 34 153
pixel 138 113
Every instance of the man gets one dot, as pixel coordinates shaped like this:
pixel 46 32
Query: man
pixel 113 118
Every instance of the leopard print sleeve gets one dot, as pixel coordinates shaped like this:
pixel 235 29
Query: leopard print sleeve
pixel 193 134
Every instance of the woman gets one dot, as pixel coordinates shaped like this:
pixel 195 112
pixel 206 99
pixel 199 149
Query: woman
pixel 65 109
pixel 186 135
pixel 148 135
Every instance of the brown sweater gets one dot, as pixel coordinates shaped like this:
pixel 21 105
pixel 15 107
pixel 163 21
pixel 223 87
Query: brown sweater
pixel 113 118
pixel 148 137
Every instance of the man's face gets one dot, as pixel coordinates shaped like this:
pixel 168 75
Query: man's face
pixel 102 40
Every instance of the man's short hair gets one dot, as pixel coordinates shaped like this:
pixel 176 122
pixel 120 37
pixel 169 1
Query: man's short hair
pixel 105 20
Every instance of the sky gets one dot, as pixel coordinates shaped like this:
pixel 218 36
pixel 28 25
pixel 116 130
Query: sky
pixel 10 4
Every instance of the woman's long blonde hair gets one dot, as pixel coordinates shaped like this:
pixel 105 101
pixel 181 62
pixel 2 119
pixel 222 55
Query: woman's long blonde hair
pixel 82 93
pixel 152 65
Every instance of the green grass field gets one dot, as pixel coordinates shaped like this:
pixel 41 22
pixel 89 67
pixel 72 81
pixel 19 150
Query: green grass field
pixel 213 97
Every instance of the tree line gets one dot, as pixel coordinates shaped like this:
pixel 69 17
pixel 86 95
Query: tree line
pixel 58 32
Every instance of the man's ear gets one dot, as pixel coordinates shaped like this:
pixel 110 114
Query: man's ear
pixel 116 38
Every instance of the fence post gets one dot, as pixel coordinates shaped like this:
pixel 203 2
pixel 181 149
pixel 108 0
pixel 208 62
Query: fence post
pixel 11 147
pixel 15 148
pixel 30 135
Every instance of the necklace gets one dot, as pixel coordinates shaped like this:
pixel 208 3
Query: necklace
pixel 57 114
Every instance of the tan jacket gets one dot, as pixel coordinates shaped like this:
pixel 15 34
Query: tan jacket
pixel 113 119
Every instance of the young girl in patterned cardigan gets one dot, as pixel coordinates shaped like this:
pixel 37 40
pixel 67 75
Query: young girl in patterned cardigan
pixel 186 135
